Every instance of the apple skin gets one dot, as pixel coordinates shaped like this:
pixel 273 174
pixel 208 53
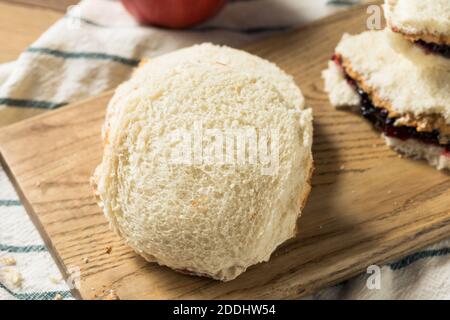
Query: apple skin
pixel 175 14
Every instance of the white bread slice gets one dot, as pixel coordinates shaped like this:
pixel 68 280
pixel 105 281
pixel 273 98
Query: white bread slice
pixel 415 53
pixel 395 79
pixel 217 55
pixel 425 19
pixel 435 155
pixel 210 219
pixel 340 93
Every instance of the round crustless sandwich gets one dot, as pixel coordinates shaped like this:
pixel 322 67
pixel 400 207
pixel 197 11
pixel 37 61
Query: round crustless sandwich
pixel 207 160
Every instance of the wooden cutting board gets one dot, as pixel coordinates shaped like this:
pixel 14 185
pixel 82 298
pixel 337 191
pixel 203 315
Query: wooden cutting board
pixel 368 206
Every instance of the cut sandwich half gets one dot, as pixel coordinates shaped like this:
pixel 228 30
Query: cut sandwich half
pixel 426 23
pixel 410 105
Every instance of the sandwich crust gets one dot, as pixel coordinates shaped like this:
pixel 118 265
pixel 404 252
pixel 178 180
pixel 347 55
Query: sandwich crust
pixel 429 38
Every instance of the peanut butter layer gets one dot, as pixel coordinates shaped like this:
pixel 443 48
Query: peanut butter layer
pixel 427 37
pixel 422 123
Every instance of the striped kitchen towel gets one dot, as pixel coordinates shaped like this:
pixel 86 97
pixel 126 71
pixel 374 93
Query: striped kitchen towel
pixel 93 49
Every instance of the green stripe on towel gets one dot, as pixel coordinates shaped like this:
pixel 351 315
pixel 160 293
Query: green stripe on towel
pixel 87 21
pixel 9 203
pixel 22 249
pixel 418 256
pixel 31 103
pixel 342 2
pixel 253 30
pixel 45 295
pixel 85 55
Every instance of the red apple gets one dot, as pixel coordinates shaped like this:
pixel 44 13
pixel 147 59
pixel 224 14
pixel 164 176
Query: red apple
pixel 175 14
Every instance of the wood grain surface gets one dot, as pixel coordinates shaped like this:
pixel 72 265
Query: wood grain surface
pixel 57 5
pixel 368 206
pixel 20 26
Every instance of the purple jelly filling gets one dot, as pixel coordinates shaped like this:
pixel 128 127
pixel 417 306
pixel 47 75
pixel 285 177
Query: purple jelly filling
pixel 379 118
pixel 441 49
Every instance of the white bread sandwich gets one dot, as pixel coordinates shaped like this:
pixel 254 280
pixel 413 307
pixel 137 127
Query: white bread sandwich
pixel 426 23
pixel 188 142
pixel 410 50
pixel 410 105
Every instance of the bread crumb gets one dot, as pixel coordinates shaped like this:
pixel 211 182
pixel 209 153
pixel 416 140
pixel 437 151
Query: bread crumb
pixel 17 279
pixel 8 261
pixel 55 280
pixel 58 297
pixel 86 260
pixel 389 191
pixel 111 295
pixel 342 167
pixel 14 277
pixel 108 249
